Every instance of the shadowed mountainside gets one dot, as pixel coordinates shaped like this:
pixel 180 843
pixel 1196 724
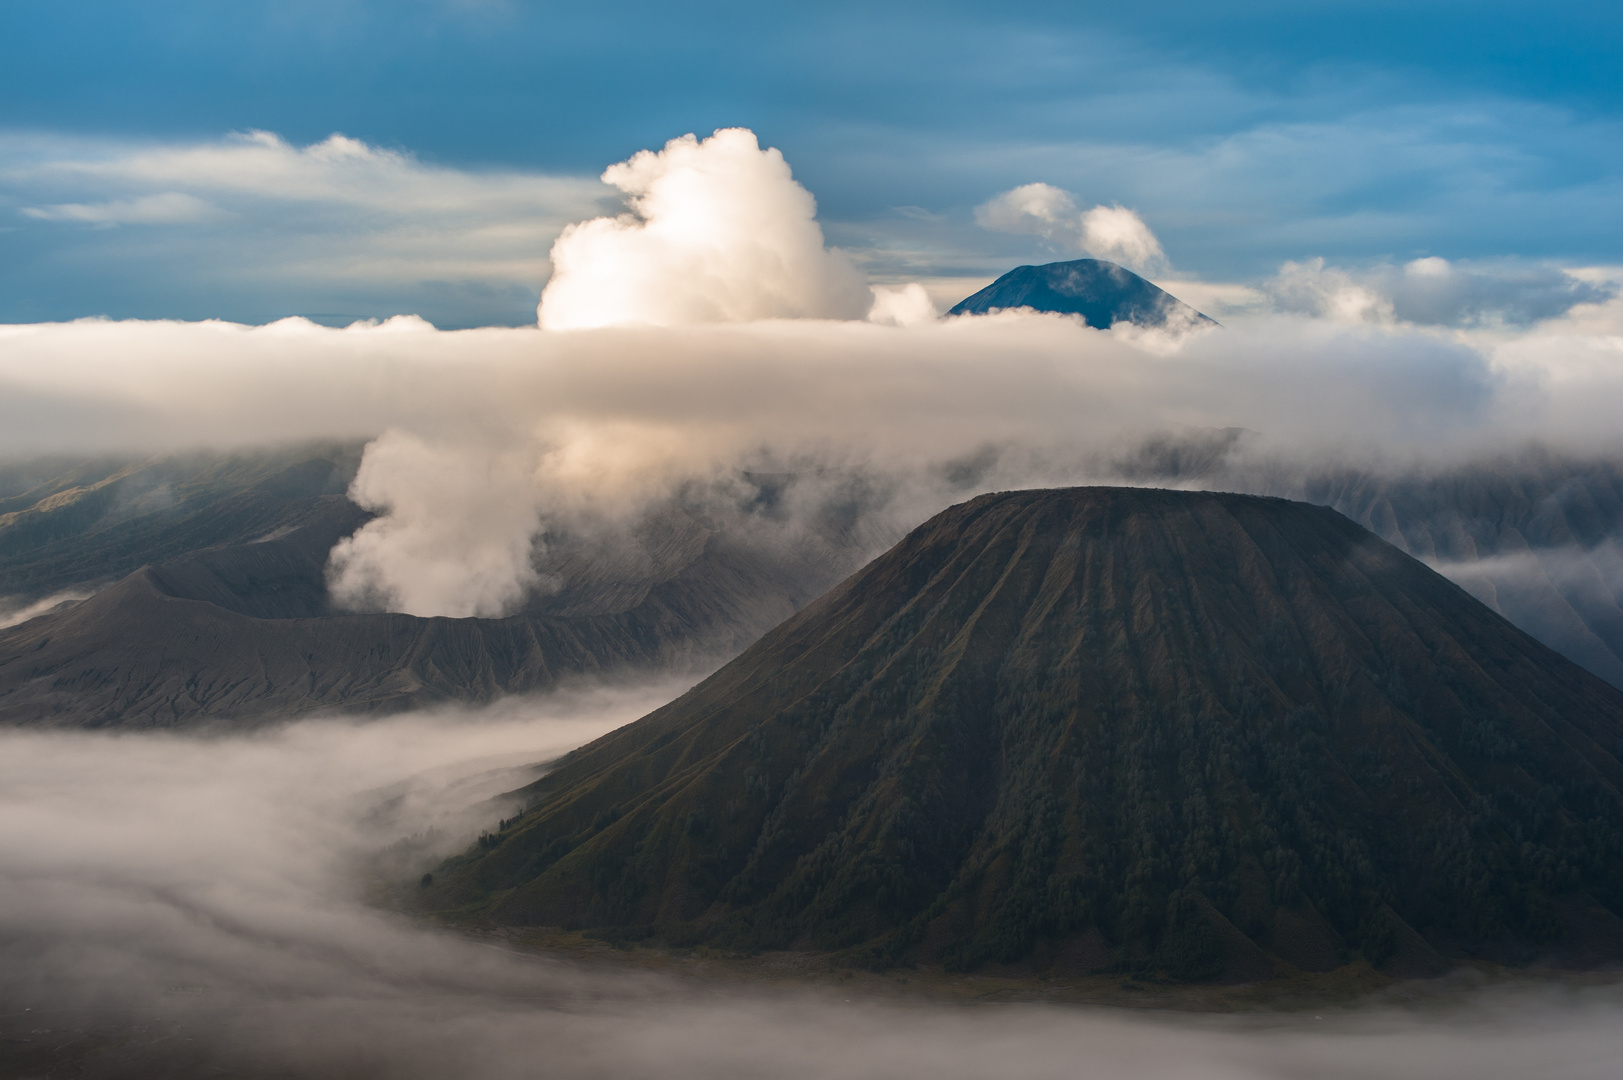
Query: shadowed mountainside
pixel 1210 736
pixel 1539 540
pixel 72 523
pixel 1536 536
pixel 230 620
pixel 243 633
pixel 239 541
pixel 1101 292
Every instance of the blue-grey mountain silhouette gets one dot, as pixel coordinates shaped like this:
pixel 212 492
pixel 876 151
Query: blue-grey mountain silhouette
pixel 1101 292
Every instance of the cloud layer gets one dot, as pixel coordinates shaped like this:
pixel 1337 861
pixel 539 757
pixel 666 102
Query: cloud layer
pixel 1434 292
pixel 492 436
pixel 254 224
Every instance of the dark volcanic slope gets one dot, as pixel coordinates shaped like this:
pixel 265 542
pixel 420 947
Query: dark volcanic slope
pixel 1536 536
pixel 69 523
pixel 1190 733
pixel 1537 539
pixel 220 613
pixel 1101 292
pixel 244 633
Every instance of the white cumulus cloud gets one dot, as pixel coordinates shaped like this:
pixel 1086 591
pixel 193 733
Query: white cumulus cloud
pixel 714 231
pixel 1118 234
pixel 903 305
pixel 1032 210
pixel 1106 232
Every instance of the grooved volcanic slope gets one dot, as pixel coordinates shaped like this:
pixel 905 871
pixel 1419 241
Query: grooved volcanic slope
pixel 221 615
pixel 1199 734
pixel 244 634
pixel 72 523
pixel 1099 291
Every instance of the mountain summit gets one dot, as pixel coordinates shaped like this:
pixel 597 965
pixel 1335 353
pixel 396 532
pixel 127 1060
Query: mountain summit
pixel 1101 292
pixel 1192 734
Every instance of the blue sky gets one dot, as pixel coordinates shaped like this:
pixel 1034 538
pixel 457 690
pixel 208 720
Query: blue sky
pixel 1245 135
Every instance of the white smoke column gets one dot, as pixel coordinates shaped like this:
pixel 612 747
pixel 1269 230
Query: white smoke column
pixel 716 231
pixel 461 514
pixel 1105 232
pixel 455 532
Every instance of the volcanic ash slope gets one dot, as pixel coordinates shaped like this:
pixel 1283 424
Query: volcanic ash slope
pixel 1204 735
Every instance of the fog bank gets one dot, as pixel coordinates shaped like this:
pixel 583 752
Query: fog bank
pixel 489 437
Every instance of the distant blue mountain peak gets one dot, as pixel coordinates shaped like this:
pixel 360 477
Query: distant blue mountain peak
pixel 1102 292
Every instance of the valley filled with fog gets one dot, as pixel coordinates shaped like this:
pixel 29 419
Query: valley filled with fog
pixel 189 907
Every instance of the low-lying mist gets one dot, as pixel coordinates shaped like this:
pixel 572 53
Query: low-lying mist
pixel 487 439
pixel 191 906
